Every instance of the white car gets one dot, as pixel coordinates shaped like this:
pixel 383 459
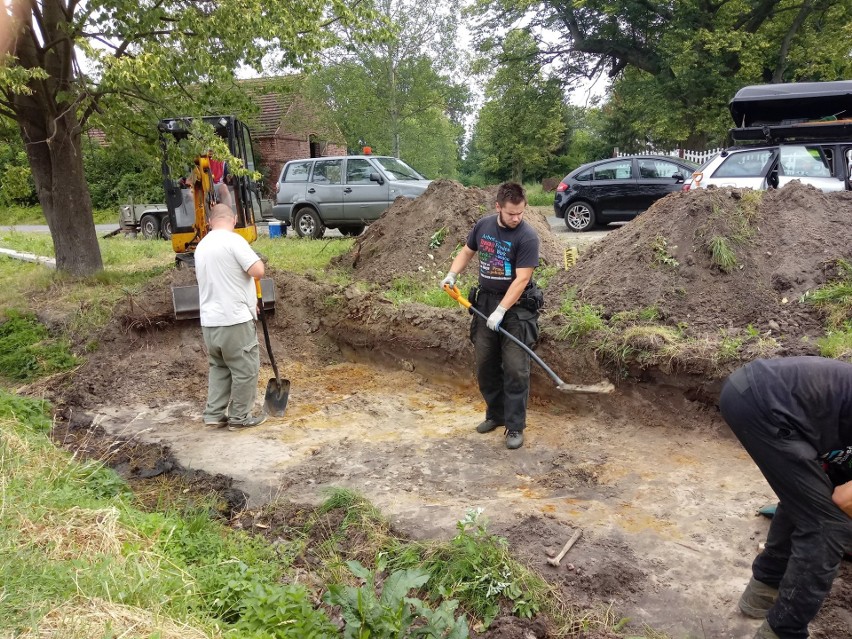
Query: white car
pixel 763 167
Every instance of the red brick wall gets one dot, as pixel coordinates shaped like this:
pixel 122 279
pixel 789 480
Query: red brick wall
pixel 274 152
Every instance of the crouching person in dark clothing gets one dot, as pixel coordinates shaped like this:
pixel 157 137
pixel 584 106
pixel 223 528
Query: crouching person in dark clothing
pixel 794 418
pixel 508 250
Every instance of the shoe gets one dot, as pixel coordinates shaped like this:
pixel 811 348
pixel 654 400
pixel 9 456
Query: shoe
pixel 249 422
pixel 514 439
pixel 757 599
pixel 765 632
pixel 487 426
pixel 222 421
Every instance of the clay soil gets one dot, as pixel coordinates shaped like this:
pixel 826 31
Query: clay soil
pixel 384 401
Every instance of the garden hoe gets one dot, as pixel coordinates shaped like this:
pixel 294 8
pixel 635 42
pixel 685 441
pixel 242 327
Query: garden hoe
pixel 600 387
pixel 277 390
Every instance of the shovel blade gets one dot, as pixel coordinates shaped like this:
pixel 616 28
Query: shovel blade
pixel 600 387
pixel 277 394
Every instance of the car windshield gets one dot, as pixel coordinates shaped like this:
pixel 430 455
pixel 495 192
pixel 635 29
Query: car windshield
pixel 398 170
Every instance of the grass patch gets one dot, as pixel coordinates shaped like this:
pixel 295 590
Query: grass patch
pixel 33 215
pixel 537 196
pixel 303 256
pixel 28 351
pixel 721 254
pixel 834 299
pixel 837 343
pixel 580 318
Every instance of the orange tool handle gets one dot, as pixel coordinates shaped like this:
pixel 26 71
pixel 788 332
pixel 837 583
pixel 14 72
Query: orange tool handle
pixel 456 294
pixel 257 288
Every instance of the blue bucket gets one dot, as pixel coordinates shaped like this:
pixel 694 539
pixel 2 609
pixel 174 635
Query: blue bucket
pixel 275 229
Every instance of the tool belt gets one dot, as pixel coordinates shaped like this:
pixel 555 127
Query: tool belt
pixel 532 299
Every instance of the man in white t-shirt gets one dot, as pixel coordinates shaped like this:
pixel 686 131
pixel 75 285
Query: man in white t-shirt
pixel 226 266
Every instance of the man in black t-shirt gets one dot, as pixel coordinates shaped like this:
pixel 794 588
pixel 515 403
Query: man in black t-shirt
pixel 794 418
pixel 508 253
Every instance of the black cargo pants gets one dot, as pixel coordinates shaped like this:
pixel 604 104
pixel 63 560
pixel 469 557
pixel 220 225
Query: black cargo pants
pixel 503 367
pixel 809 532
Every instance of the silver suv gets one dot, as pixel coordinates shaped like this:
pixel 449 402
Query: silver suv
pixel 345 192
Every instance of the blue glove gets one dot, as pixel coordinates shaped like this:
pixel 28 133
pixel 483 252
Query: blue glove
pixel 449 280
pixel 495 318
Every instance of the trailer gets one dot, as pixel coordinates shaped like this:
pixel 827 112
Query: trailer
pixel 151 220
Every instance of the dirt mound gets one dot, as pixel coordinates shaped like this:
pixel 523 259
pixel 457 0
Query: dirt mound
pixel 722 258
pixel 419 238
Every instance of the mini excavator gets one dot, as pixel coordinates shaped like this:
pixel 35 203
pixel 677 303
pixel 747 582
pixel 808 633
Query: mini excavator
pixel 190 198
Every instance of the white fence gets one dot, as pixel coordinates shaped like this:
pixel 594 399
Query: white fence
pixel 699 157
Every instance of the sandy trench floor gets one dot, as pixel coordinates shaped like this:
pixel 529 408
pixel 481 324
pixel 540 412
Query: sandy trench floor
pixel 668 515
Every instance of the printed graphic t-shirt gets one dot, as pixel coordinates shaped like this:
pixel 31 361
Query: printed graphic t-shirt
pixel 502 251
pixel 812 396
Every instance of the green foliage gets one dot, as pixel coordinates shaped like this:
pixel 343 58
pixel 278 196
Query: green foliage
pixel 403 96
pixel 438 237
pixel 300 255
pixel 405 290
pixel 27 350
pixel 117 172
pixel 537 196
pixel 834 299
pixel 277 611
pixel 837 343
pixel 580 318
pixel 16 182
pixel 521 124
pixel 660 248
pixel 393 614
pixel 31 413
pixel 676 64
pixel 721 253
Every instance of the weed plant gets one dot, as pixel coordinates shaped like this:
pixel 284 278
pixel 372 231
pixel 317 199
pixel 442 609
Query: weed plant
pixel 721 254
pixel 580 318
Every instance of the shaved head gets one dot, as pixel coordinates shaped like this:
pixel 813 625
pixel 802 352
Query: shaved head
pixel 221 212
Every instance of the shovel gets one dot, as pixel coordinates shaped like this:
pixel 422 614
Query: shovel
pixel 277 390
pixel 600 387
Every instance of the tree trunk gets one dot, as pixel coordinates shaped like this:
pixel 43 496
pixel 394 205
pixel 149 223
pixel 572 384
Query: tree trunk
pixel 54 153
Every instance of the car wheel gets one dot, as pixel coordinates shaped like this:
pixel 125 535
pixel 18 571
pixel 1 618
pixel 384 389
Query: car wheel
pixel 352 231
pixel 166 227
pixel 579 216
pixel 150 227
pixel 308 224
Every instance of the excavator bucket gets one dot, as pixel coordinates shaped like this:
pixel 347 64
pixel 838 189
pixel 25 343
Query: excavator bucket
pixel 186 306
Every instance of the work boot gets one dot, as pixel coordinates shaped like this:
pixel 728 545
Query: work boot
pixel 765 632
pixel 757 599
pixel 247 422
pixel 222 421
pixel 514 439
pixel 487 426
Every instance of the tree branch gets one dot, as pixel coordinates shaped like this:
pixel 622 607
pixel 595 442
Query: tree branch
pixel 806 9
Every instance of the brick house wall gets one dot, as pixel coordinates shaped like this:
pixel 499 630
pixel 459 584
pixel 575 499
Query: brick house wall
pixel 276 151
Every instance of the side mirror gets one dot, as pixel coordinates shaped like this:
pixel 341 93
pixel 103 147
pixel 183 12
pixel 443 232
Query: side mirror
pixel 678 178
pixel 375 177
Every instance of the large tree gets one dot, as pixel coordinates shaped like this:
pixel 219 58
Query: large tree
pixel 65 63
pixel 404 96
pixel 677 62
pixel 522 123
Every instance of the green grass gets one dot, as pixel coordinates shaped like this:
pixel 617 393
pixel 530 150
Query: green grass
pixel 837 343
pixel 28 351
pixel 721 253
pixel 30 215
pixel 536 196
pixel 303 256
pixel 580 318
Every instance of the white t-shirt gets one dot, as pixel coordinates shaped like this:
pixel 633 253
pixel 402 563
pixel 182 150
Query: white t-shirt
pixel 226 293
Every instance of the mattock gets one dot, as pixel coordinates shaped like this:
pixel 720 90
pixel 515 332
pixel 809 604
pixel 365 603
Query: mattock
pixel 555 560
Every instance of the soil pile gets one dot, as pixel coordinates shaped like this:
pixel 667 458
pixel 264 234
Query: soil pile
pixel 418 238
pixel 771 249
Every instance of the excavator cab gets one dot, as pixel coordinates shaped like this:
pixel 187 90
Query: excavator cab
pixel 191 193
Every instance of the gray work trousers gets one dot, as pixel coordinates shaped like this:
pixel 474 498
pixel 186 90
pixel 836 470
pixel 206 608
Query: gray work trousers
pixel 234 358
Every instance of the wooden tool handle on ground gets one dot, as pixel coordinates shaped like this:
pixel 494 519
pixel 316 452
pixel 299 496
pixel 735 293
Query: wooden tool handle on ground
pixel 555 561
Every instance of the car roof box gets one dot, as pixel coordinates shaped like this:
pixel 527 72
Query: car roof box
pixel 793 103
pixel 797 111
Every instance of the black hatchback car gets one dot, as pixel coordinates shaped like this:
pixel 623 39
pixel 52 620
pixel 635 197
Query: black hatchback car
pixel 617 189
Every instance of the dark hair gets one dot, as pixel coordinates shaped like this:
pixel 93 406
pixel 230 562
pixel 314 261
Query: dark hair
pixel 511 192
